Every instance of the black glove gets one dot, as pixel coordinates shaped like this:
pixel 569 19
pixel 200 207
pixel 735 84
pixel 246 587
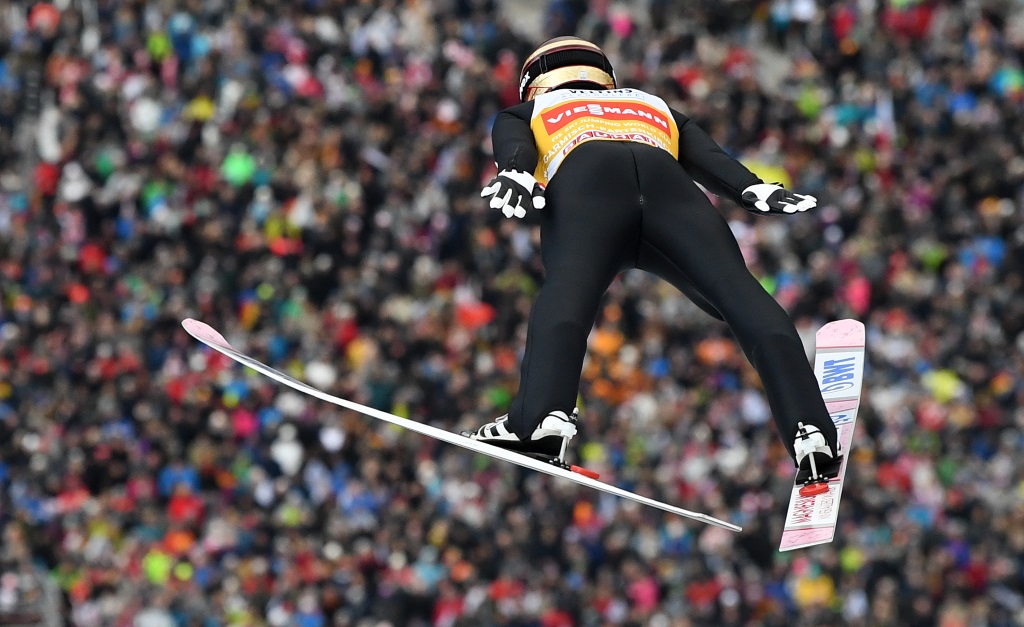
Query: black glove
pixel 773 198
pixel 509 188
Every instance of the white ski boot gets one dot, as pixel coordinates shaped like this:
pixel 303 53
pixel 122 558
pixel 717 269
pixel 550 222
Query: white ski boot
pixel 547 442
pixel 815 460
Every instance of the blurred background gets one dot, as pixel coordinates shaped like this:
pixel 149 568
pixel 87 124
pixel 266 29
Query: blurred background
pixel 304 176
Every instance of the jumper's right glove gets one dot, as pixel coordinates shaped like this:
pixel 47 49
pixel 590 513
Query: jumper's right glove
pixel 773 198
pixel 510 188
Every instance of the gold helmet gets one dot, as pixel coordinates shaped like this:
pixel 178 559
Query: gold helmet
pixel 561 61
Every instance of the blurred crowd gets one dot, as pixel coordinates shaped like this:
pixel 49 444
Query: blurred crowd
pixel 304 176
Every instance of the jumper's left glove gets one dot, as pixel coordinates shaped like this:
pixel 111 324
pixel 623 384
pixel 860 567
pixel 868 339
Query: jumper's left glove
pixel 514 191
pixel 773 198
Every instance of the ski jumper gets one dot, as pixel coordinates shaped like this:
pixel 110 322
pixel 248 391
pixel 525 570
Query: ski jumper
pixel 620 167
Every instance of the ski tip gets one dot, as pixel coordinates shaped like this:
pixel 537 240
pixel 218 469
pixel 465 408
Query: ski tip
pixel 841 332
pixel 814 489
pixel 204 332
pixel 583 471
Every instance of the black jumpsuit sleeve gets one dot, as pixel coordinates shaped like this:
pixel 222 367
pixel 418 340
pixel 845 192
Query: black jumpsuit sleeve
pixel 708 164
pixel 512 139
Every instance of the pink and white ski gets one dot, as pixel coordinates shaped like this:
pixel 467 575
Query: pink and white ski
pixel 212 338
pixel 839 366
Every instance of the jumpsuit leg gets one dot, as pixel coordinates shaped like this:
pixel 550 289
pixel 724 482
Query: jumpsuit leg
pixel 685 240
pixel 589 232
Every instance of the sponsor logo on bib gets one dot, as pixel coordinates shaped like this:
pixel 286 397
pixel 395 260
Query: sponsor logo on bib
pixel 558 117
